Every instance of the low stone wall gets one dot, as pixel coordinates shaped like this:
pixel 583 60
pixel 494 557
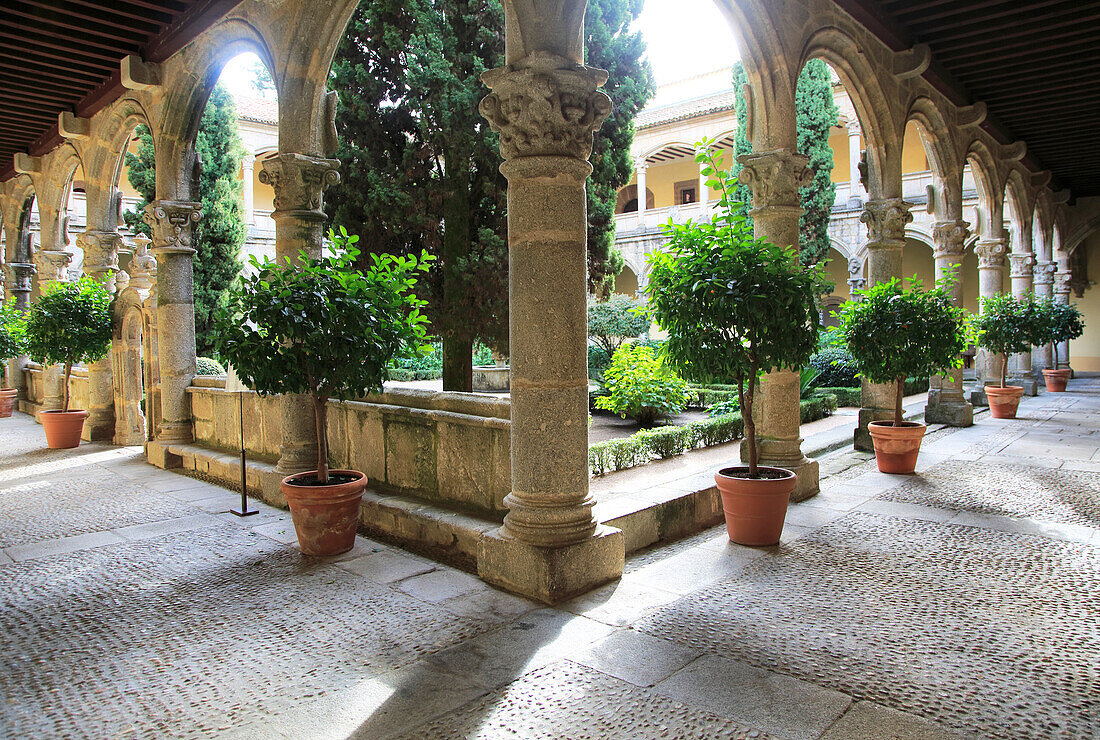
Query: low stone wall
pixel 452 448
pixel 37 378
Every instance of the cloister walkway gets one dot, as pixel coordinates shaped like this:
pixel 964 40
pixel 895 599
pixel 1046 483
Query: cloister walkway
pixel 961 601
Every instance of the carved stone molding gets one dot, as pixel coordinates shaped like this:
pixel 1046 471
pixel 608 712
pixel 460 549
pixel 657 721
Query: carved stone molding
pixel 52 267
pixel 886 220
pixel 100 251
pixel 18 275
pixel 173 223
pixel 775 177
pixel 1044 272
pixel 545 105
pixel 143 265
pixel 991 253
pixel 950 239
pixel 1021 264
pixel 1062 286
pixel 299 182
pixel 856 281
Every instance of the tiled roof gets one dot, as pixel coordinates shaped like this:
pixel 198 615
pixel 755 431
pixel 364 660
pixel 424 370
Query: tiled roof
pixel 724 100
pixel 260 110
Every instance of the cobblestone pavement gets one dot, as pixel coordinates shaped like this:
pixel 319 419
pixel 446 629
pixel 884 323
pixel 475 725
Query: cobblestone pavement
pixel 962 601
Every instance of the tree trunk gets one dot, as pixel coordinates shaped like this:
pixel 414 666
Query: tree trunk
pixel 898 394
pixel 458 364
pixel 320 417
pixel 458 374
pixel 1004 369
pixel 746 416
pixel 65 386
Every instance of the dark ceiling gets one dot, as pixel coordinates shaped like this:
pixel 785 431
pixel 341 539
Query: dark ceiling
pixel 1034 63
pixel 63 55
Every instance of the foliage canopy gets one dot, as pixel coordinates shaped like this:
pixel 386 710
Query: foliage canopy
pixel 641 385
pixel 612 322
pixel 1006 325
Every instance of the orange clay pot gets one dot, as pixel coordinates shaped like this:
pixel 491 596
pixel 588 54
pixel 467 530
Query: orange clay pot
pixel 1003 401
pixel 325 517
pixel 897 447
pixel 62 428
pixel 755 507
pixel 7 401
pixel 1056 380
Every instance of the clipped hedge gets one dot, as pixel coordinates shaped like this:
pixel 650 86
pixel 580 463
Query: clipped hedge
pixel 405 374
pixel 844 396
pixel 208 366
pixel 704 396
pixel 837 368
pixel 913 386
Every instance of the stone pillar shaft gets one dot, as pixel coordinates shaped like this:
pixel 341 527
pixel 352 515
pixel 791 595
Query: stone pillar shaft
pixel 1042 357
pixel 299 182
pixel 17 285
pixel 546 108
pixel 641 167
pixel 247 170
pixel 991 263
pixel 855 148
pixel 100 262
pixel 1061 295
pixel 946 402
pixel 173 224
pixel 886 219
pixel 1021 267
pixel 775 177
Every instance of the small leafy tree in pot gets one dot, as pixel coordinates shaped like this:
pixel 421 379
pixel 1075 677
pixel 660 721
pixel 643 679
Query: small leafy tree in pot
pixel 11 335
pixel 893 334
pixel 322 327
pixel 734 306
pixel 68 324
pixel 1062 322
pixel 1006 325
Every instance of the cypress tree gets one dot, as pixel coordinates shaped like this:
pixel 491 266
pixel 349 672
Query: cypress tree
pixel 221 232
pixel 610 45
pixel 816 114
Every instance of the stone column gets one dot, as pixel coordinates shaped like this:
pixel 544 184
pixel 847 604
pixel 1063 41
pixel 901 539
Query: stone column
pixel 991 263
pixel 1042 358
pixel 247 166
pixel 855 187
pixel 51 266
pixel 546 108
pixel 101 263
pixel 17 285
pixel 946 402
pixel 1019 368
pixel 299 182
pixel 1061 295
pixel 640 166
pixel 704 191
pixel 886 220
pixel 173 224
pixel 775 177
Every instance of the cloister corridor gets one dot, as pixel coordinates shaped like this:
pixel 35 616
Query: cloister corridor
pixel 957 602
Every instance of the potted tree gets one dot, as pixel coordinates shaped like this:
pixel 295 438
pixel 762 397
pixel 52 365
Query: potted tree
pixel 11 346
pixel 323 327
pixel 893 334
pixel 736 306
pixel 70 323
pixel 1005 326
pixel 1062 323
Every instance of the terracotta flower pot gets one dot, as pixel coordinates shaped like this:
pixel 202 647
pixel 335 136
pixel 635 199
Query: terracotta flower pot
pixel 325 517
pixel 755 507
pixel 62 428
pixel 7 401
pixel 1003 401
pixel 1056 380
pixel 897 447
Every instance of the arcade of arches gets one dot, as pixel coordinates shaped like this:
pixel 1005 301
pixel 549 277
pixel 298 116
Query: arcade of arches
pixel 946 185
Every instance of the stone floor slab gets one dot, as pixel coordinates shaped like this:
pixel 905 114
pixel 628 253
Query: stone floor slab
pixel 636 657
pixel 869 721
pixel 388 566
pixel 62 546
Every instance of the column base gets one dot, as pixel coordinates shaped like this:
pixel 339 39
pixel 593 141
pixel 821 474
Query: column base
pixel 551 574
pixel 1031 388
pixel 99 426
pixel 861 438
pixel 271 490
pixel 808 484
pixel 952 410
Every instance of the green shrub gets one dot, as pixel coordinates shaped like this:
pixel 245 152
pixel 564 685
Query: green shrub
pixel 837 368
pixel 209 366
pixel 641 386
pixel 598 360
pixel 845 396
pixel 717 430
pixel 705 396
pixel 614 321
pixel 913 386
pixel 11 334
pixel 667 441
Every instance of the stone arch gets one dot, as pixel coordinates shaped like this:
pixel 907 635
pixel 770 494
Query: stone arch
pixel 1043 225
pixel 941 152
pixel 104 165
pixel 1018 204
pixel 129 374
pixel 845 55
pixel 990 191
pixel 627 199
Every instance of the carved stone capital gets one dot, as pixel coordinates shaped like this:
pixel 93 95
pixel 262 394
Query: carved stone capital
pixel 545 105
pixel 950 238
pixel 775 177
pixel 299 182
pixel 173 224
pixel 991 253
pixel 1021 264
pixel 886 220
pixel 1044 272
pixel 100 251
pixel 18 276
pixel 52 266
pixel 143 265
pixel 1062 287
